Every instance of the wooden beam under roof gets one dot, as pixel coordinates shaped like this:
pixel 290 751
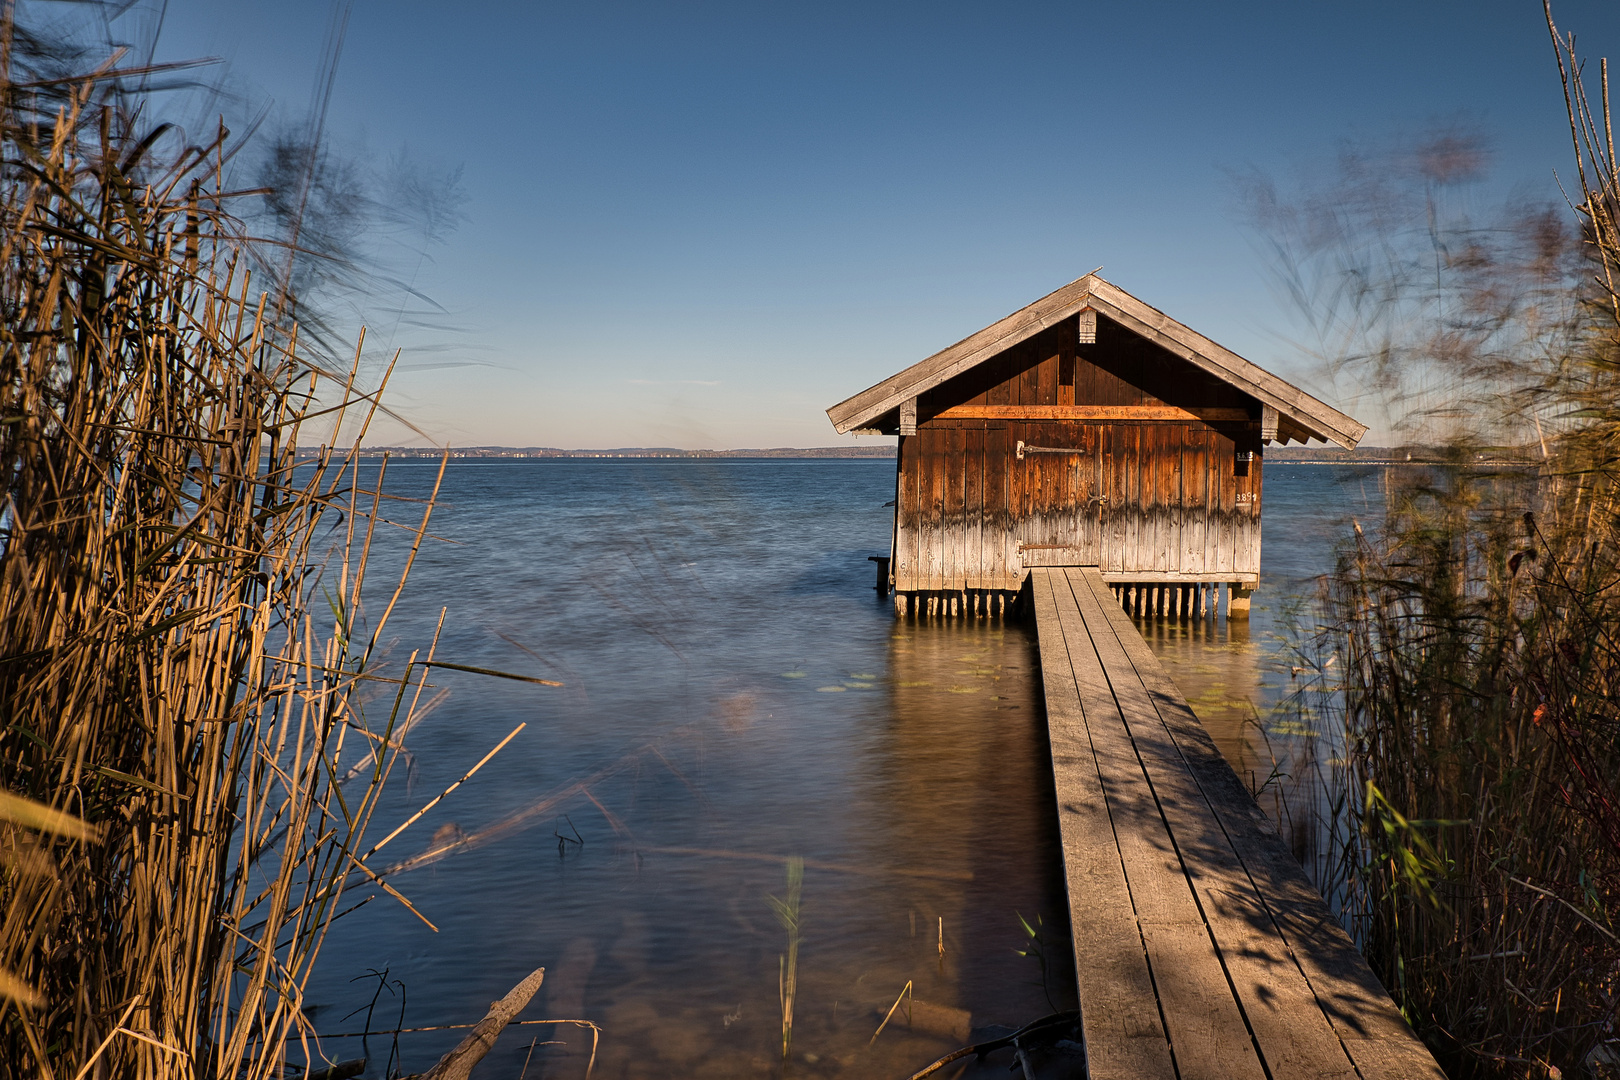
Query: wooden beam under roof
pixel 1092 412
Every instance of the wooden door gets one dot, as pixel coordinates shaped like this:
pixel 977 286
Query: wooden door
pixel 1058 492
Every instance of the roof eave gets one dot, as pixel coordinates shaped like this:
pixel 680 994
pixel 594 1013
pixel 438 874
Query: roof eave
pixel 1321 420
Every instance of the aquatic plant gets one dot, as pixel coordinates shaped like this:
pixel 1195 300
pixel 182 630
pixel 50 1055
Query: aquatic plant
pixel 1036 947
pixel 187 664
pixel 787 911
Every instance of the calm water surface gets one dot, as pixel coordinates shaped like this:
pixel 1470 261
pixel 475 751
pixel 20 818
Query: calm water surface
pixel 737 696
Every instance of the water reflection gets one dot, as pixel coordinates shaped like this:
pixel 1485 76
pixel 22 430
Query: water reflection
pixel 1242 678
pixel 737 697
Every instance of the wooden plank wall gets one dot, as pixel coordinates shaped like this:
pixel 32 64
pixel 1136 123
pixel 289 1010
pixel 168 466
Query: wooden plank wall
pixel 1153 497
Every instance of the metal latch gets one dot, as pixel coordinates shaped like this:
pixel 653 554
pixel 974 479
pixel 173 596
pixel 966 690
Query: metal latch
pixel 1024 448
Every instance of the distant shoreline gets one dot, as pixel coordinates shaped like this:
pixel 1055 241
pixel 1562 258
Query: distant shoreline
pixel 1292 455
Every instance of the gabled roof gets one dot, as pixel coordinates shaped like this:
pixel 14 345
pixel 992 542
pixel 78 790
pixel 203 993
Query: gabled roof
pixel 1302 415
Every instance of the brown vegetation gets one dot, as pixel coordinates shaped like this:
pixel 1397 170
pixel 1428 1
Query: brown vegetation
pixel 185 659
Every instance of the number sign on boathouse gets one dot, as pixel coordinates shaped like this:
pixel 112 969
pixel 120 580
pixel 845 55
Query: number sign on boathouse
pixel 1087 429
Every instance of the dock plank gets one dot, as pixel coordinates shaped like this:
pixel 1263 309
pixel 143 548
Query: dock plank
pixel 1123 1029
pixel 1284 949
pixel 1280 1009
pixel 1208 1034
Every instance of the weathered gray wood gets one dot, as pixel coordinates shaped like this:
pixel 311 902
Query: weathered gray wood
pixel 458 1063
pixel 1274 994
pixel 1155 325
pixel 1207 1032
pixel 1124 1033
pixel 996 338
pixel 1344 989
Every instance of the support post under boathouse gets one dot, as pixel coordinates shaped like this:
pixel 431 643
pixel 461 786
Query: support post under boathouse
pixel 1087 429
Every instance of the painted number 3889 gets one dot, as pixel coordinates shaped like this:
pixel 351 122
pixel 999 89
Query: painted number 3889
pixel 1245 497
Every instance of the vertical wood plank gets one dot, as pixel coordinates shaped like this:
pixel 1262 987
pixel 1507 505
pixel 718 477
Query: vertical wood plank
pixel 1016 472
pixel 905 527
pixel 1177 452
pixel 1085 379
pixel 1029 379
pixel 1155 495
pixel 1118 498
pixel 1100 486
pixel 1227 517
pixel 1195 485
pixel 1130 437
pixel 1046 379
pixel 935 504
pixel 1066 375
pixel 973 571
pixel 954 445
pixel 1000 391
pixel 1054 509
pixel 997 521
pixel 1257 507
pixel 1212 515
pixel 1063 484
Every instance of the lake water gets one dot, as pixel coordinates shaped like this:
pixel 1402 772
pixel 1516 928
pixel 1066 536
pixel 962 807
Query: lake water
pixel 736 696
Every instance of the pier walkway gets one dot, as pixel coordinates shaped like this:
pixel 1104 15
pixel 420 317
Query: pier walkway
pixel 1202 949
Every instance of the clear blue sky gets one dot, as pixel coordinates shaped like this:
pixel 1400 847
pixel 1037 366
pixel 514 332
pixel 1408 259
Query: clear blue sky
pixel 699 225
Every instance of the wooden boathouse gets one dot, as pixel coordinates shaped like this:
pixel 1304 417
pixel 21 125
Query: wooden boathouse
pixel 1095 456
pixel 1086 429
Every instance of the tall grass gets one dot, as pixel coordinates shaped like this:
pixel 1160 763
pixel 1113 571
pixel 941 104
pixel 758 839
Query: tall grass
pixel 186 663
pixel 1474 832
pixel 1479 863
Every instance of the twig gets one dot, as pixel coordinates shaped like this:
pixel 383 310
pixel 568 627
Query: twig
pixel 1055 1020
pixel 904 990
pixel 458 1063
pixel 452 1027
pixel 436 800
pixel 1578 912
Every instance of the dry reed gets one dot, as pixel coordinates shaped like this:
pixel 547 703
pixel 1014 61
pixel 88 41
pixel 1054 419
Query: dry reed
pixel 185 657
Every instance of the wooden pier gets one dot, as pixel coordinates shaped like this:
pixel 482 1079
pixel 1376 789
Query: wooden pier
pixel 1202 949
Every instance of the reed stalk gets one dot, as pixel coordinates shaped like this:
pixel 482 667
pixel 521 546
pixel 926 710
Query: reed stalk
pixel 1472 802
pixel 186 661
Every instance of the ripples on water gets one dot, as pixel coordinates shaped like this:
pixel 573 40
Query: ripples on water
pixel 740 696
